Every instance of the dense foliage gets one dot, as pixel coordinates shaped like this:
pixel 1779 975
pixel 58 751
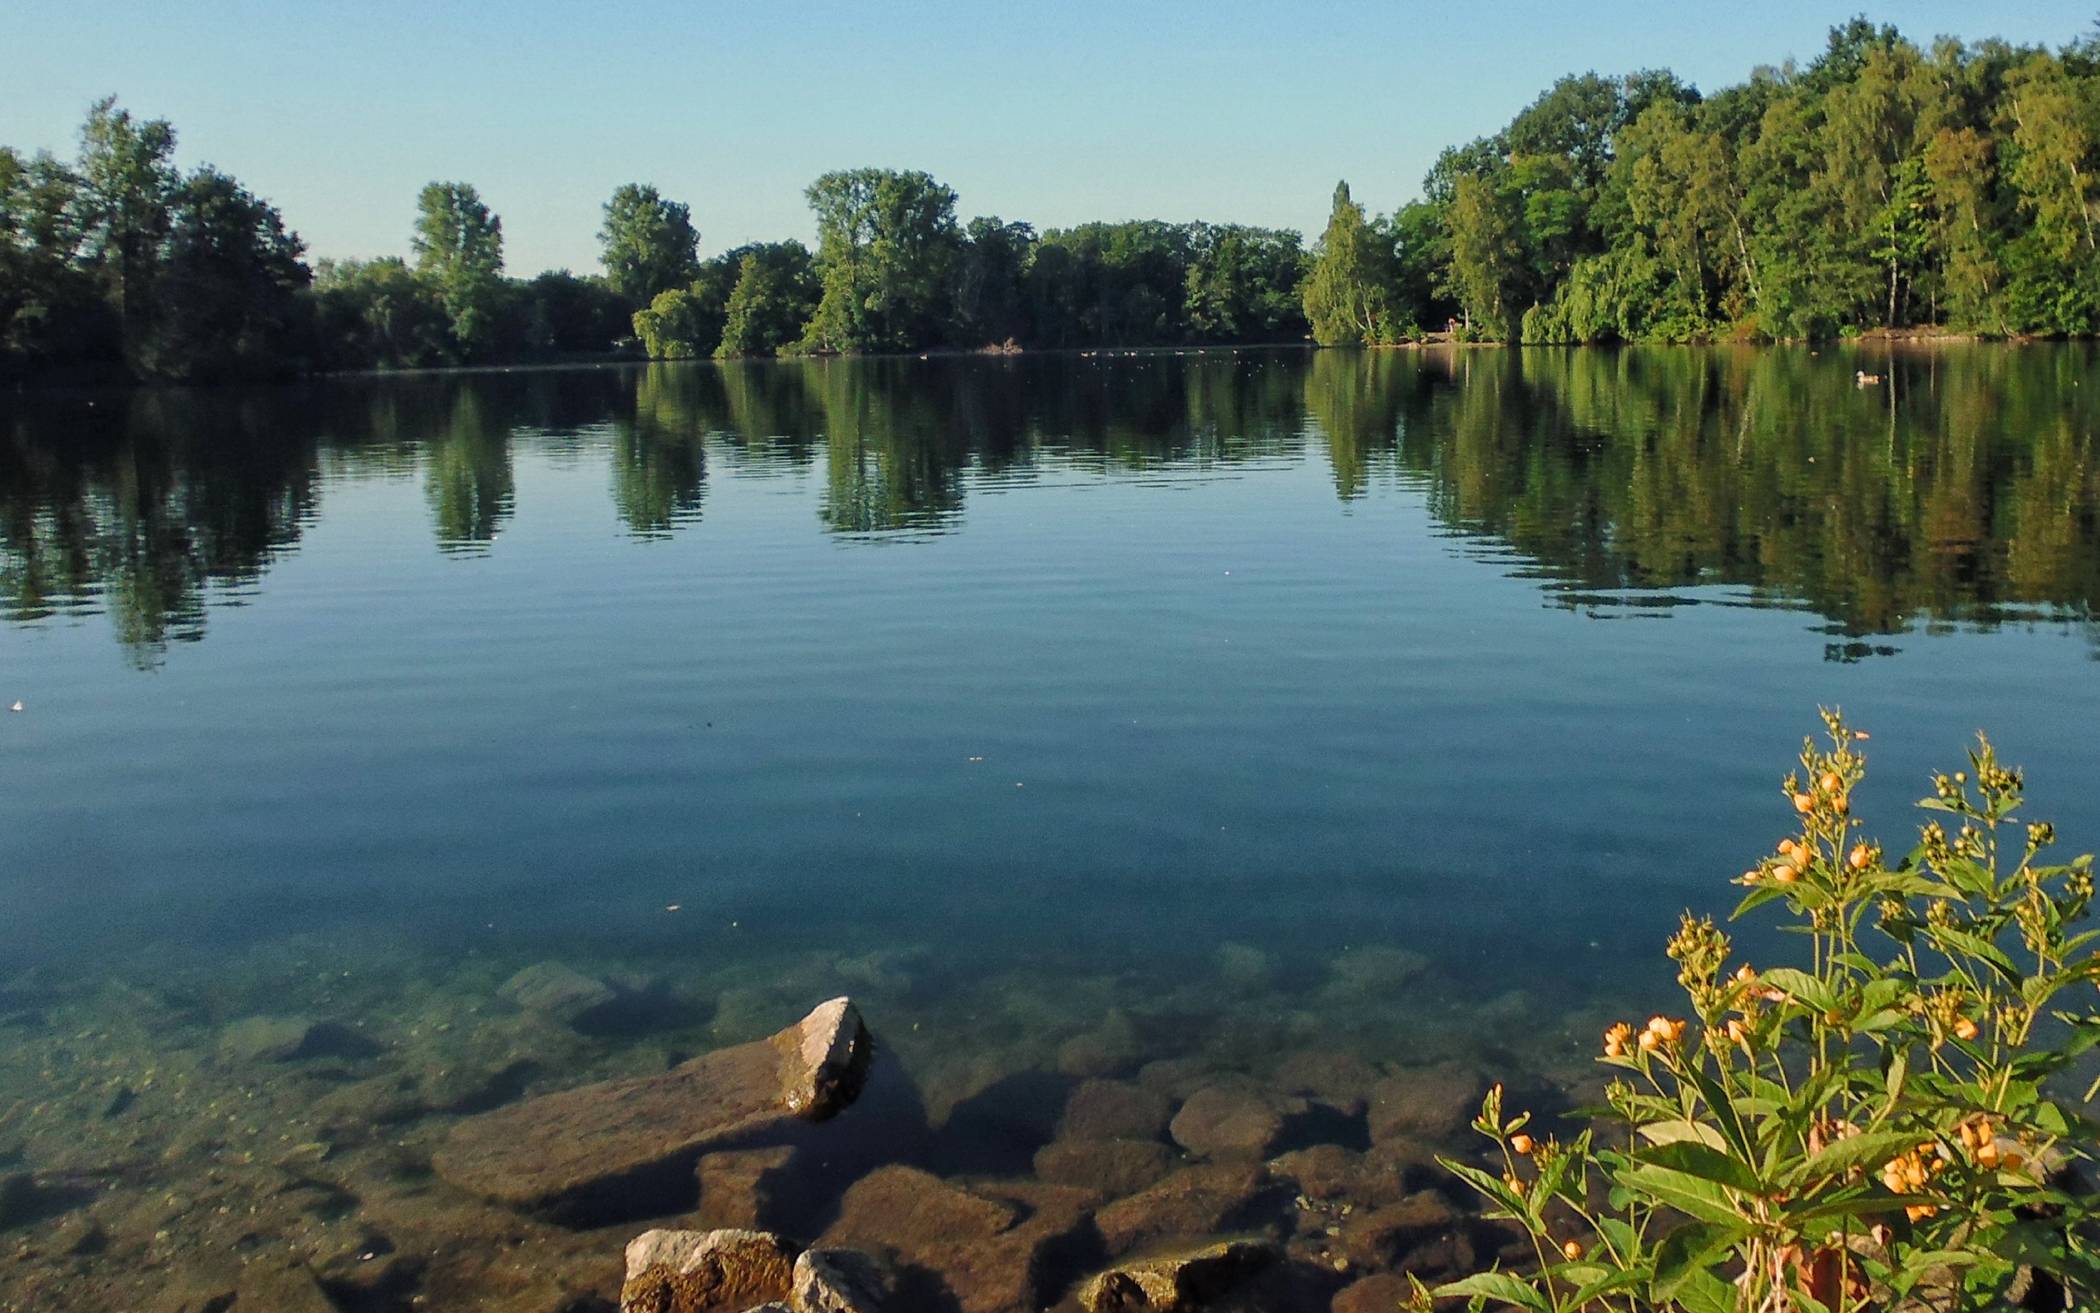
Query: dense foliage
pixel 1891 1124
pixel 1883 184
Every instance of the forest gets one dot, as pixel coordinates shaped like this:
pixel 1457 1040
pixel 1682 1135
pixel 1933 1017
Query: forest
pixel 1884 184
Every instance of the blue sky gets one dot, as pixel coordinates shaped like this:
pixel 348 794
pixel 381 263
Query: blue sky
pixel 1050 112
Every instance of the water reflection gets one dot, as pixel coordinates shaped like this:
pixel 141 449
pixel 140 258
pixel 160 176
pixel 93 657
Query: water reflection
pixel 1964 492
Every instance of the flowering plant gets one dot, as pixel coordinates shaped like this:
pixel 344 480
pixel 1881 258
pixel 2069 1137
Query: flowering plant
pixel 1894 1123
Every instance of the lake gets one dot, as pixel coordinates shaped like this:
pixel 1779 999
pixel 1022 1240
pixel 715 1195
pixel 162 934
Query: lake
pixel 1081 715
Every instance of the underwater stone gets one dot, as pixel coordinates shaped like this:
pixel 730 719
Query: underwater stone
pixel 265 1039
pixel 1388 1237
pixel 839 1281
pixel 1194 1203
pixel 1376 969
pixel 1176 1283
pixel 1243 966
pixel 993 1253
pixel 1114 1110
pixel 705 1271
pixel 628 1148
pixel 1425 1103
pixel 1340 1079
pixel 736 1186
pixel 1381 1293
pixel 1109 1048
pixel 1233 1120
pixel 282 1288
pixel 1114 1167
pixel 554 990
pixel 1323 1171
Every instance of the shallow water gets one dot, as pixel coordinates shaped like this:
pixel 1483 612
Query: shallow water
pixel 1005 693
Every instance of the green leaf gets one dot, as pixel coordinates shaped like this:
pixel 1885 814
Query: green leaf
pixel 1498 1286
pixel 1863 1151
pixel 1974 946
pixel 1799 985
pixel 1689 1250
pixel 1678 1129
pixel 1705 1162
pixel 1691 1195
pixel 1707 1293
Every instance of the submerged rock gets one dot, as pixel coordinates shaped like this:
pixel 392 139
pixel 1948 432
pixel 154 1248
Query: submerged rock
pixel 726 1271
pixel 1418 1234
pixel 1425 1103
pixel 839 1281
pixel 282 1288
pixel 1114 1110
pixel 629 1147
pixel 1105 1050
pixel 1175 1283
pixel 737 1186
pixel 1114 1167
pixel 1233 1120
pixel 1375 969
pixel 1381 1293
pixel 554 990
pixel 1243 966
pixel 992 1252
pixel 1192 1204
pixel 282 1039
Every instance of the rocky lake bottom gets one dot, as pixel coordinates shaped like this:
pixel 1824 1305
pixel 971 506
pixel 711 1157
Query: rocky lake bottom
pixel 272 1130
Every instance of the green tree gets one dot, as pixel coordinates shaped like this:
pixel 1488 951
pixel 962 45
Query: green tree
pixel 1244 285
pixel 459 248
pixel 1486 257
pixel 776 292
pixel 1348 291
pixel 127 200
pixel 229 290
pixel 887 243
pixel 649 243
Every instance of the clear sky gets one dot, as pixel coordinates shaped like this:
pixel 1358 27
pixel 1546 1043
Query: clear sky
pixel 1054 112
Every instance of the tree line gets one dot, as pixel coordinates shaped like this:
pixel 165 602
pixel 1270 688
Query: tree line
pixel 1883 184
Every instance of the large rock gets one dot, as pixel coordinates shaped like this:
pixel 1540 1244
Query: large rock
pixel 1114 1110
pixel 1342 1080
pixel 281 1039
pixel 1109 1048
pixel 1374 970
pixel 1238 1119
pixel 737 1187
pixel 1194 1203
pixel 1113 1167
pixel 282 1288
pixel 1415 1234
pixel 991 1251
pixel 1425 1103
pixel 554 990
pixel 705 1271
pixel 1175 1283
pixel 840 1281
pixel 1382 1293
pixel 628 1148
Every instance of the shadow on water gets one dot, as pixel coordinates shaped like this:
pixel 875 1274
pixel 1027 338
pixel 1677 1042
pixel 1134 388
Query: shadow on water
pixel 1965 491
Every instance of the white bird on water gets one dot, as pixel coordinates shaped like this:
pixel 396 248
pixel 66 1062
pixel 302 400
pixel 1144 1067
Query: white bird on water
pixel 1864 379
pixel 17 706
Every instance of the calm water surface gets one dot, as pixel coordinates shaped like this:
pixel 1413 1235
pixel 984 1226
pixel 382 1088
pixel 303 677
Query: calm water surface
pixel 1048 674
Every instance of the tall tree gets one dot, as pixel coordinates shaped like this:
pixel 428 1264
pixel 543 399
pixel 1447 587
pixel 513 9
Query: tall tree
pixel 1348 293
pixel 129 183
pixel 459 248
pixel 887 242
pixel 649 243
pixel 776 291
pixel 228 292
pixel 1486 257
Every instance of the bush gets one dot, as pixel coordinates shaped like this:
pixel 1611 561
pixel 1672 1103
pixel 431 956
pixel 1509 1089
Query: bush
pixel 1886 1126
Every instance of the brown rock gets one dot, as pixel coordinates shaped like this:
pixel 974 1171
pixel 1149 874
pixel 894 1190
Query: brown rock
pixel 705 1271
pixel 1236 1120
pixel 1425 1103
pixel 736 1186
pixel 1384 1237
pixel 991 1252
pixel 1324 1171
pixel 1193 1203
pixel 1343 1080
pixel 1114 1110
pixel 1176 1283
pixel 628 1148
pixel 282 1288
pixel 1177 1078
pixel 1382 1293
pixel 1114 1167
pixel 1109 1048
pixel 839 1281
pixel 1375 969
pixel 554 990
